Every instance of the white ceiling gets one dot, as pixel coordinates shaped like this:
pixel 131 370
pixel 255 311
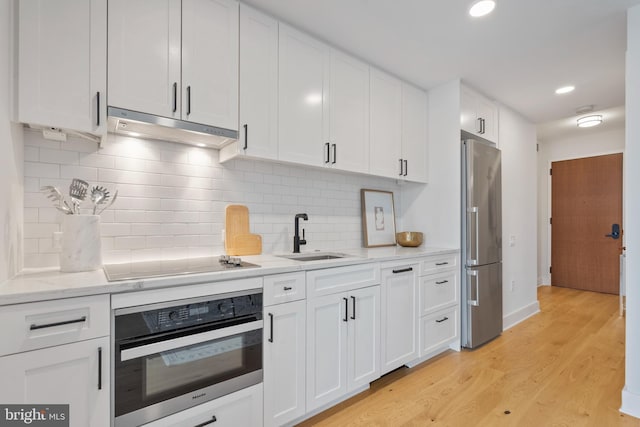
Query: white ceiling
pixel 518 55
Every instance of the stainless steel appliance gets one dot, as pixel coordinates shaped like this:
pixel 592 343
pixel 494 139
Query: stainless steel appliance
pixel 173 267
pixel 175 355
pixel 481 243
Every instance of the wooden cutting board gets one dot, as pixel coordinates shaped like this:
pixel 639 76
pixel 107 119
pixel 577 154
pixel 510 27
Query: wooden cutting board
pixel 238 240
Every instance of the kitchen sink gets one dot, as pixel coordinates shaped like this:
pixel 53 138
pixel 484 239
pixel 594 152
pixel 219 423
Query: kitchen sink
pixel 318 256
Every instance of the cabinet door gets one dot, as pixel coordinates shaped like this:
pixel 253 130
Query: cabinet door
pixel 414 133
pixel 258 84
pixel 349 112
pixel 284 362
pixel 62 64
pixel 240 408
pixel 399 316
pixel 468 114
pixel 326 349
pixel 210 62
pixel 75 374
pixel 488 112
pixel 302 98
pixel 385 125
pixel 144 56
pixel 364 336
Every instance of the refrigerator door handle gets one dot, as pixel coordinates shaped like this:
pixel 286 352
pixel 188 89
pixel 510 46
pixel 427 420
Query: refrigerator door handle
pixel 473 274
pixel 474 260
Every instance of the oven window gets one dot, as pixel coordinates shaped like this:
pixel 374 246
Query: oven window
pixel 177 368
pixel 154 378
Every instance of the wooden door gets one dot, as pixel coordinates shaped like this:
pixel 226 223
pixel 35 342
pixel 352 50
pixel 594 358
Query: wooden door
pixel 586 199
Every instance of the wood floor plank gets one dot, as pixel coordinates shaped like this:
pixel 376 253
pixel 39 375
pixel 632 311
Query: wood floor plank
pixel 562 367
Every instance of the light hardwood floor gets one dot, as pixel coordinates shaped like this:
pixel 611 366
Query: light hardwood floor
pixel 562 367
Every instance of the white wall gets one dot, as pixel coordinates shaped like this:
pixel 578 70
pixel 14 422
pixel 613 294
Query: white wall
pixel 631 392
pixel 519 217
pixel 172 198
pixel 591 142
pixel 11 158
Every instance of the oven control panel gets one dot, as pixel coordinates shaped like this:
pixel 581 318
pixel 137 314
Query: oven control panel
pixel 182 316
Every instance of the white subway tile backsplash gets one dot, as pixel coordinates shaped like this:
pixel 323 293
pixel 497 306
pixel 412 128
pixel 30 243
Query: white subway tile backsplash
pixel 172 199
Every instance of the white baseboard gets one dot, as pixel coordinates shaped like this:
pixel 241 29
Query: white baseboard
pixel 512 319
pixel 544 280
pixel 630 403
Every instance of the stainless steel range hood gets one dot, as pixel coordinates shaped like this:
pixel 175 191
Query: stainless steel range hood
pixel 134 123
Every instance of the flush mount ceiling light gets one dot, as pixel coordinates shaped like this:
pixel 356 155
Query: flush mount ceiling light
pixel 565 89
pixel 482 8
pixel 589 121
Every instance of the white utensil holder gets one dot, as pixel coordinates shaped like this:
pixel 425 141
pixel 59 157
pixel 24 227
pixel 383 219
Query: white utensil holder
pixel 81 248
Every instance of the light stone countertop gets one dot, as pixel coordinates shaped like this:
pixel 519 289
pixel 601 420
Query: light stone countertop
pixel 49 283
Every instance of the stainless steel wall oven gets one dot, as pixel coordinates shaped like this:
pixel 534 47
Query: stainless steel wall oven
pixel 171 356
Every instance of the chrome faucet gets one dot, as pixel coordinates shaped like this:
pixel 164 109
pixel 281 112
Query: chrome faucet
pixel 297 241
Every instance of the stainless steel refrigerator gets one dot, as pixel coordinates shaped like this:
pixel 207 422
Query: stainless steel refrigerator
pixel 481 243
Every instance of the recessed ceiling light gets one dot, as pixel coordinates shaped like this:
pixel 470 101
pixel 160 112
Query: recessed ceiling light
pixel 134 134
pixel 201 145
pixel 589 121
pixel 482 7
pixel 565 89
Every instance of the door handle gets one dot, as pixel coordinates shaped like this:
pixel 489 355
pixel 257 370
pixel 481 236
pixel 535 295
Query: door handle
pixel 474 302
pixel 615 232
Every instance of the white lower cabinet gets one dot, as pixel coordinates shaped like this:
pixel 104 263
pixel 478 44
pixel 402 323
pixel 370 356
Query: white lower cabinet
pixel 343 346
pixel 399 337
pixel 284 362
pixel 438 330
pixel 76 374
pixel 241 408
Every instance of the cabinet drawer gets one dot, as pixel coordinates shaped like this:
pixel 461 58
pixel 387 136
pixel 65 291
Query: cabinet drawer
pixel 45 324
pixel 438 329
pixel 437 291
pixel 281 288
pixel 340 279
pixel 438 262
pixel 242 408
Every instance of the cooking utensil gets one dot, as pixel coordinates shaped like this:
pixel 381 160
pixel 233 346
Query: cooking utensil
pixel 78 192
pixel 409 238
pixel 55 195
pixel 99 195
pixel 115 196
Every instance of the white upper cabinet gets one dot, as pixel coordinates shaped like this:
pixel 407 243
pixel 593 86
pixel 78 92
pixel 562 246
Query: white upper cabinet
pixel 62 64
pixel 175 59
pixel 414 133
pixel 303 92
pixel 478 115
pixel 258 87
pixel 349 114
pixel 386 125
pixel 144 56
pixel 210 62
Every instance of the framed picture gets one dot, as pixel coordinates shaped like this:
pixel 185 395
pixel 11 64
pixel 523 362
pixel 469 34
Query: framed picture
pixel 378 218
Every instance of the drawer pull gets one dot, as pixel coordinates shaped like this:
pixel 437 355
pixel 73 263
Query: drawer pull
pixel 442 320
pixel 33 327
pixel 287 288
pixel 206 423
pixel 442 282
pixel 403 270
pixel 442 263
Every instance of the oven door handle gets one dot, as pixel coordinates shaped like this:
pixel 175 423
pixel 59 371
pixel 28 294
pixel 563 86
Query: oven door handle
pixel 176 343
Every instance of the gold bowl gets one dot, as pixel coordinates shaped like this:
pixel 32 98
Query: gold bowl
pixel 409 238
